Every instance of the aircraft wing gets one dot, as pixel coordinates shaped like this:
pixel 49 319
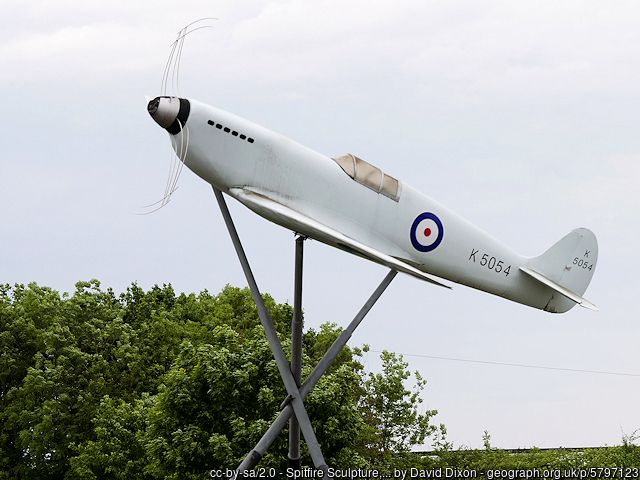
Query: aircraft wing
pixel 289 218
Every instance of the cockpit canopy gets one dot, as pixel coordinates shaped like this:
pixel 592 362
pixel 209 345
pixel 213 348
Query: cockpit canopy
pixel 369 176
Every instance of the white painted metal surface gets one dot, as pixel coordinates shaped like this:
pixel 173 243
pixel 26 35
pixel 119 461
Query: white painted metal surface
pixel 312 194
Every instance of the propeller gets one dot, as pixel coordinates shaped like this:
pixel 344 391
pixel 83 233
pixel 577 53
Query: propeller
pixel 171 113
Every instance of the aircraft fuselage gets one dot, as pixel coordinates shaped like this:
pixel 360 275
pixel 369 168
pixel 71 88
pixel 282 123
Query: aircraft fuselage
pixel 243 159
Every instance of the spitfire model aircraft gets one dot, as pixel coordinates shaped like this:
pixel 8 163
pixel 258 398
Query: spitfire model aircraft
pixel 350 204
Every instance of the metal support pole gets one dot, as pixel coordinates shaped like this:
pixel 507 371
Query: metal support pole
pixel 274 342
pixel 252 459
pixel 296 352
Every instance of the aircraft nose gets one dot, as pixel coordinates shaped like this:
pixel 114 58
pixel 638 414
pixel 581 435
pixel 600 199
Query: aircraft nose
pixel 171 113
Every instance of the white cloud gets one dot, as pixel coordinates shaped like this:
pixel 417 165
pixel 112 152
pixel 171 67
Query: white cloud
pixel 87 41
pixel 502 48
pixel 86 52
pixel 613 194
pixel 532 49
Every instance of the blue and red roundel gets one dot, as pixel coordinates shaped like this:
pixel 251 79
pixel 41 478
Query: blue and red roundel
pixel 426 232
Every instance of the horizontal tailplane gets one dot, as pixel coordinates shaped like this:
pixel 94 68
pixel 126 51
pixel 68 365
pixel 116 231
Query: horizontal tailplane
pixel 567 268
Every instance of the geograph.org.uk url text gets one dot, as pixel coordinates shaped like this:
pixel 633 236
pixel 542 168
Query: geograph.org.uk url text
pixel 564 473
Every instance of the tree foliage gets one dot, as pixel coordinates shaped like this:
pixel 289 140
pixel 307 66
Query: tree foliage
pixel 149 385
pixel 391 412
pixel 561 462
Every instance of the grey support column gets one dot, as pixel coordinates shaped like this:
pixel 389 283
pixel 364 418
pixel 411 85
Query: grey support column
pixel 296 352
pixel 252 459
pixel 274 342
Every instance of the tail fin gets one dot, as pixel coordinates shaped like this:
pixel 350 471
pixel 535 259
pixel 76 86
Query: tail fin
pixel 567 267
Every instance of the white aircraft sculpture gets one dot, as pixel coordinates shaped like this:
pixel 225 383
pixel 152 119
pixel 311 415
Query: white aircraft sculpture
pixel 348 203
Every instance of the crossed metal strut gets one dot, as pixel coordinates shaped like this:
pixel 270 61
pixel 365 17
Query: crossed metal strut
pixel 293 406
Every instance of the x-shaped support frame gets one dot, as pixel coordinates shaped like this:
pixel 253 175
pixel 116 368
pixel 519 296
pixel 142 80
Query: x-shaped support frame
pixel 293 405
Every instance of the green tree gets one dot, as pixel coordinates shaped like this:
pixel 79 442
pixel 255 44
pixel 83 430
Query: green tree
pixel 391 412
pixel 220 398
pixel 118 450
pixel 151 384
pixel 167 332
pixel 51 396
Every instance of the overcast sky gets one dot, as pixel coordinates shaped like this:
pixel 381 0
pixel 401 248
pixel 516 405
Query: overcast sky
pixel 521 116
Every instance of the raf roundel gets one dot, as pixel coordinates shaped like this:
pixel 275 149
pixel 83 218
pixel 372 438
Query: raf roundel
pixel 426 232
